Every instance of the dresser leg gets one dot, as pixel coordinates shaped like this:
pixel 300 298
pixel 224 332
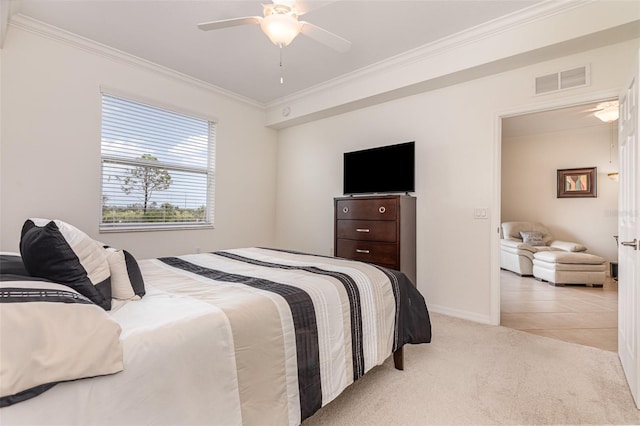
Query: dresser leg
pixel 398 359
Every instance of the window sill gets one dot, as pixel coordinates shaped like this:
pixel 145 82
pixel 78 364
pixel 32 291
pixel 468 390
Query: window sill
pixel 152 227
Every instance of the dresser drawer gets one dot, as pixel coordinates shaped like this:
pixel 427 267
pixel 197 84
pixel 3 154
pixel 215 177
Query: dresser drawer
pixel 368 251
pixel 366 209
pixel 369 230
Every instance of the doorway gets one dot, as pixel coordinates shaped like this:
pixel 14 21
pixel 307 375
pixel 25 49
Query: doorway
pixel 534 145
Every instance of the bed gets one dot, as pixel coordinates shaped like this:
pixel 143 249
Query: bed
pixel 241 336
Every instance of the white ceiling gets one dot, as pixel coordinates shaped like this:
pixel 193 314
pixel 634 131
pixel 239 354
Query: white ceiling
pixel 242 59
pixel 555 120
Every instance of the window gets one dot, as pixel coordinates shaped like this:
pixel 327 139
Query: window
pixel 157 168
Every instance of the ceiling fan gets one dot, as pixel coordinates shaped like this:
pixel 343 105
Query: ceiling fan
pixel 280 23
pixel 605 111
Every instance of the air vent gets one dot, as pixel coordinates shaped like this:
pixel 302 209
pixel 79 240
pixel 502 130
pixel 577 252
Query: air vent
pixel 547 83
pixel 562 80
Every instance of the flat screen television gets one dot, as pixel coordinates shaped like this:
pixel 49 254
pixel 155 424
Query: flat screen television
pixel 385 169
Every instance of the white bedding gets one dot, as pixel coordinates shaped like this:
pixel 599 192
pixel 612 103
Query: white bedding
pixel 245 336
pixel 164 336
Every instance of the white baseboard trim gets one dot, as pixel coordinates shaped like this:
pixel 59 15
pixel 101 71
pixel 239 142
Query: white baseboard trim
pixel 457 313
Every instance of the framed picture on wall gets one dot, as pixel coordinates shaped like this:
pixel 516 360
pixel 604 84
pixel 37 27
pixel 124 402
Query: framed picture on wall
pixel 577 183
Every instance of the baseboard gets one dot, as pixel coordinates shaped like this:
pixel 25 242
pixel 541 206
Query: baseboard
pixel 457 313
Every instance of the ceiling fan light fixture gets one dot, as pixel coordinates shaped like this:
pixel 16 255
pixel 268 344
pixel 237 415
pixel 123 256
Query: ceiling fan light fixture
pixel 608 112
pixel 280 28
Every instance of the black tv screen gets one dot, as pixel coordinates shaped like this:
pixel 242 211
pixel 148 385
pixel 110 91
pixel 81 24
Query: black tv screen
pixel 387 169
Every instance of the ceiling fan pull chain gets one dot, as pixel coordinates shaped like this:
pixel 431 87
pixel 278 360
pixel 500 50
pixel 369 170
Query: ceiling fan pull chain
pixel 281 75
pixel 613 138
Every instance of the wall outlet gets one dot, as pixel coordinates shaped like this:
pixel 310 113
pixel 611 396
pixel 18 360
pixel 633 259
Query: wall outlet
pixel 198 250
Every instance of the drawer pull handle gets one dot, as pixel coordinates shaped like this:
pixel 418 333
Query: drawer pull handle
pixel 382 209
pixel 362 251
pixel 345 210
pixel 362 230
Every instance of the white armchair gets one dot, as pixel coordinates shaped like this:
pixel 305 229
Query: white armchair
pixel 521 240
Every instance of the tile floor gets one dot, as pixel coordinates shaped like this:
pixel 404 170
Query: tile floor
pixel 577 314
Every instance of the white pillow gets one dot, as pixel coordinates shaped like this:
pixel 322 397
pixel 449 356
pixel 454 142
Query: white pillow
pixel 126 279
pixel 51 333
pixel 568 246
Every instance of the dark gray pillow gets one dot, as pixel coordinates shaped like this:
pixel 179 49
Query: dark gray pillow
pixel 57 251
pixel 12 265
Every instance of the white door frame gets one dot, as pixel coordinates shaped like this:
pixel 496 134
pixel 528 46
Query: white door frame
pixel 543 105
pixel 628 228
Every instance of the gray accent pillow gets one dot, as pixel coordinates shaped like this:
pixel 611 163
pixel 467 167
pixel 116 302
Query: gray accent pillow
pixel 533 238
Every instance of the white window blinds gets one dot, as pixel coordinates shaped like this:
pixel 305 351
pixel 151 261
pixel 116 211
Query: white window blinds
pixel 157 167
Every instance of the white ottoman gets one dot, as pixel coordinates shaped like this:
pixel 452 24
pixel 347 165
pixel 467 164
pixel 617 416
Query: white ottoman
pixel 562 267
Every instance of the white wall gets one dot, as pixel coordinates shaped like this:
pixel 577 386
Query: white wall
pixel 50 142
pixel 455 133
pixel 529 165
pixel 50 156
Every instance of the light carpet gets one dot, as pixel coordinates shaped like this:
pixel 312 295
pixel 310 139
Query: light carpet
pixel 480 374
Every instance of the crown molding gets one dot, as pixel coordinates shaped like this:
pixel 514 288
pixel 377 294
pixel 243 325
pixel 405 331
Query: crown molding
pixel 7 8
pixel 42 29
pixel 469 36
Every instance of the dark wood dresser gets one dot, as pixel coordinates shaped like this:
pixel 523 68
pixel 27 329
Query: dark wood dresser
pixel 378 229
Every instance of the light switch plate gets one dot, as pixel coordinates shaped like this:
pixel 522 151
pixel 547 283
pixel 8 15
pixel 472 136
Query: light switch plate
pixel 481 213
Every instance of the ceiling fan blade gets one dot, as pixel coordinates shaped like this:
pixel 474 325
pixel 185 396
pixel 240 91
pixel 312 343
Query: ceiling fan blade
pixel 601 106
pixel 306 6
pixel 325 37
pixel 216 25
